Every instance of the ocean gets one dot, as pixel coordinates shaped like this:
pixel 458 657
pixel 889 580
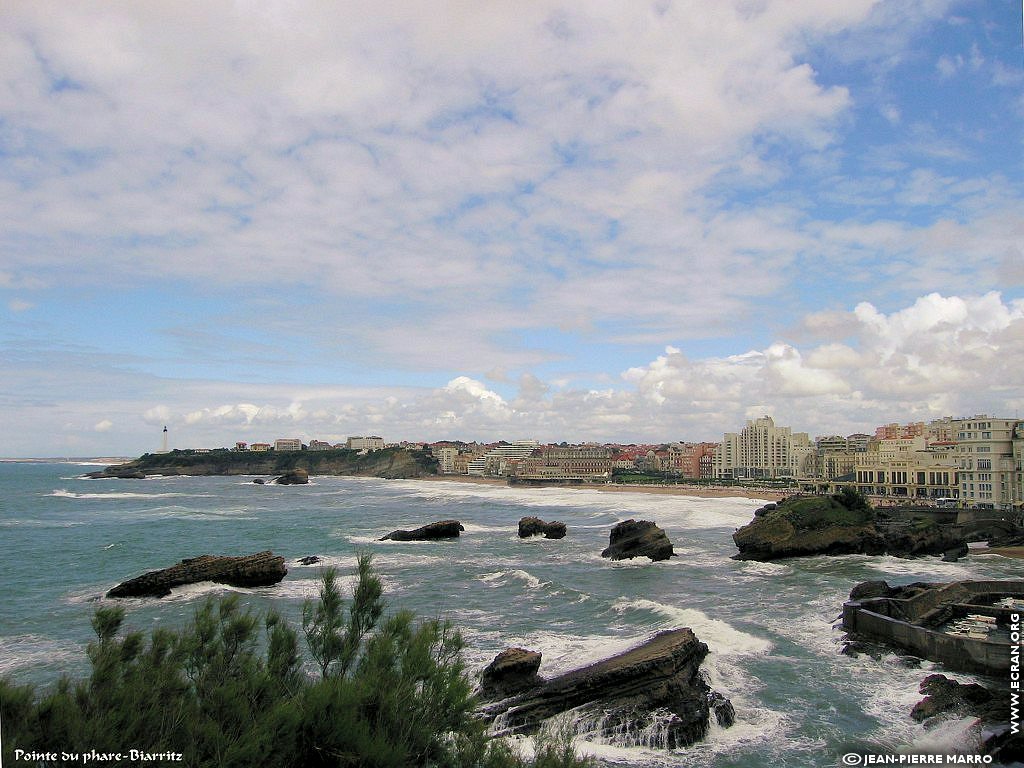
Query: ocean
pixel 771 627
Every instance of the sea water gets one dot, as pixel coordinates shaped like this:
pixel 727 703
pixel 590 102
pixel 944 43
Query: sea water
pixel 771 627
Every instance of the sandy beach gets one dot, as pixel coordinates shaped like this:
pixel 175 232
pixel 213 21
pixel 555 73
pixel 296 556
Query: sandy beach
pixel 702 491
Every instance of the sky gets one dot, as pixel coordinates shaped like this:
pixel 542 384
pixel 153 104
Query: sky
pixel 601 221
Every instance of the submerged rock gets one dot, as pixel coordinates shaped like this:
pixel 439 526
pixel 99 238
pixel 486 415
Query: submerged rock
pixel 633 538
pixel 297 476
pixel 442 529
pixel 260 570
pixel 310 560
pixel 655 686
pixel 534 526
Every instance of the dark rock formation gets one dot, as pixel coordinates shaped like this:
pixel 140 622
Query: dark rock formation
pixel 843 524
pixel 117 473
pixel 808 526
pixel 259 570
pixel 923 538
pixel 443 529
pixel 534 526
pixel 869 589
pixel 657 681
pixel 991 707
pixel 295 476
pixel 259 481
pixel 512 671
pixel 945 695
pixel 633 538
pixel 309 560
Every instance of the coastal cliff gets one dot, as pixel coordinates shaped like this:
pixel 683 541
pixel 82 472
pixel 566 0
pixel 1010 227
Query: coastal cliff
pixel 390 463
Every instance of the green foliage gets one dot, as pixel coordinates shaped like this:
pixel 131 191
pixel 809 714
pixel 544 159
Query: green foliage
pixel 818 512
pixel 391 691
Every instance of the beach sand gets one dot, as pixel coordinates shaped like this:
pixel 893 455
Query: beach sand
pixel 702 491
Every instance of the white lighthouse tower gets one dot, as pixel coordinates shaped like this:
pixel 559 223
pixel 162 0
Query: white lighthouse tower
pixel 164 448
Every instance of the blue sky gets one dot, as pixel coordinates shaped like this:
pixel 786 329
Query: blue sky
pixel 539 220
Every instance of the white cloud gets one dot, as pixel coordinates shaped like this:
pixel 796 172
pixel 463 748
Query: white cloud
pixel 103 426
pixel 19 305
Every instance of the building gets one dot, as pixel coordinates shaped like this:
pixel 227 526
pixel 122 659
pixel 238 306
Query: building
pixel 563 463
pixel 762 451
pixel 907 468
pixel 320 445
pixel 241 446
pixel 988 461
pixel 445 455
pixel 260 447
pixel 372 443
pixel 497 460
pixel 288 444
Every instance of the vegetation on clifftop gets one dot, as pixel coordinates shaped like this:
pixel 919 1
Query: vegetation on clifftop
pixel 230 690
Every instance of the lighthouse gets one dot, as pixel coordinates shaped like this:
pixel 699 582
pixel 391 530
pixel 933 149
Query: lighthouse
pixel 164 446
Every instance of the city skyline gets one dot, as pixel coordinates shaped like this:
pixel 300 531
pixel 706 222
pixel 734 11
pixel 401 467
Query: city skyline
pixel 264 219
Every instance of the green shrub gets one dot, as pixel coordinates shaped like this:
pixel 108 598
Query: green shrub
pixel 391 691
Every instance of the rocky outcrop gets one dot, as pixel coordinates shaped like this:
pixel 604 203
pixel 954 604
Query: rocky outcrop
pixel 259 570
pixel 534 526
pixel 843 524
pixel 442 529
pixel 394 462
pixel 310 560
pixel 638 538
pixel 118 473
pixel 992 708
pixel 296 476
pixel 512 671
pixel 924 538
pixel 809 526
pixel 655 686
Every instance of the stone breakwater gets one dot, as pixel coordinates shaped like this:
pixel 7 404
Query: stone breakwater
pixel 259 570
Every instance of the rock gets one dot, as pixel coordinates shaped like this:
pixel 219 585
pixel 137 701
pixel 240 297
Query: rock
pixel 854 648
pixel 309 560
pixel 297 476
pixel 632 538
pixel 725 712
pixel 809 526
pixel 534 526
pixel 945 695
pixel 991 707
pixel 923 538
pixel 443 529
pixel 259 481
pixel 656 685
pixel 512 671
pixel 259 570
pixel 953 555
pixel 117 474
pixel 868 589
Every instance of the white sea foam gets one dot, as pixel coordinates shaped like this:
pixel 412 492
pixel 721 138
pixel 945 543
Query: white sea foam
pixel 719 636
pixel 66 494
pixel 19 651
pixel 501 577
pixel 922 567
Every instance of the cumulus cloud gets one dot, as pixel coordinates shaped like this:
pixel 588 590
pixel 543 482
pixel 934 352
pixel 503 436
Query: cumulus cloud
pixel 103 426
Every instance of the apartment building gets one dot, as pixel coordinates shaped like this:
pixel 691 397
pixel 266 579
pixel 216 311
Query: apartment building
pixel 287 444
pixel 762 450
pixel 988 453
pixel 372 443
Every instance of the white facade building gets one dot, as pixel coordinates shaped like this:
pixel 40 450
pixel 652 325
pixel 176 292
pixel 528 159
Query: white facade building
pixel 372 443
pixel 762 451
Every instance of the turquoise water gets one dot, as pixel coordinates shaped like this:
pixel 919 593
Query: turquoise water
pixel 774 649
